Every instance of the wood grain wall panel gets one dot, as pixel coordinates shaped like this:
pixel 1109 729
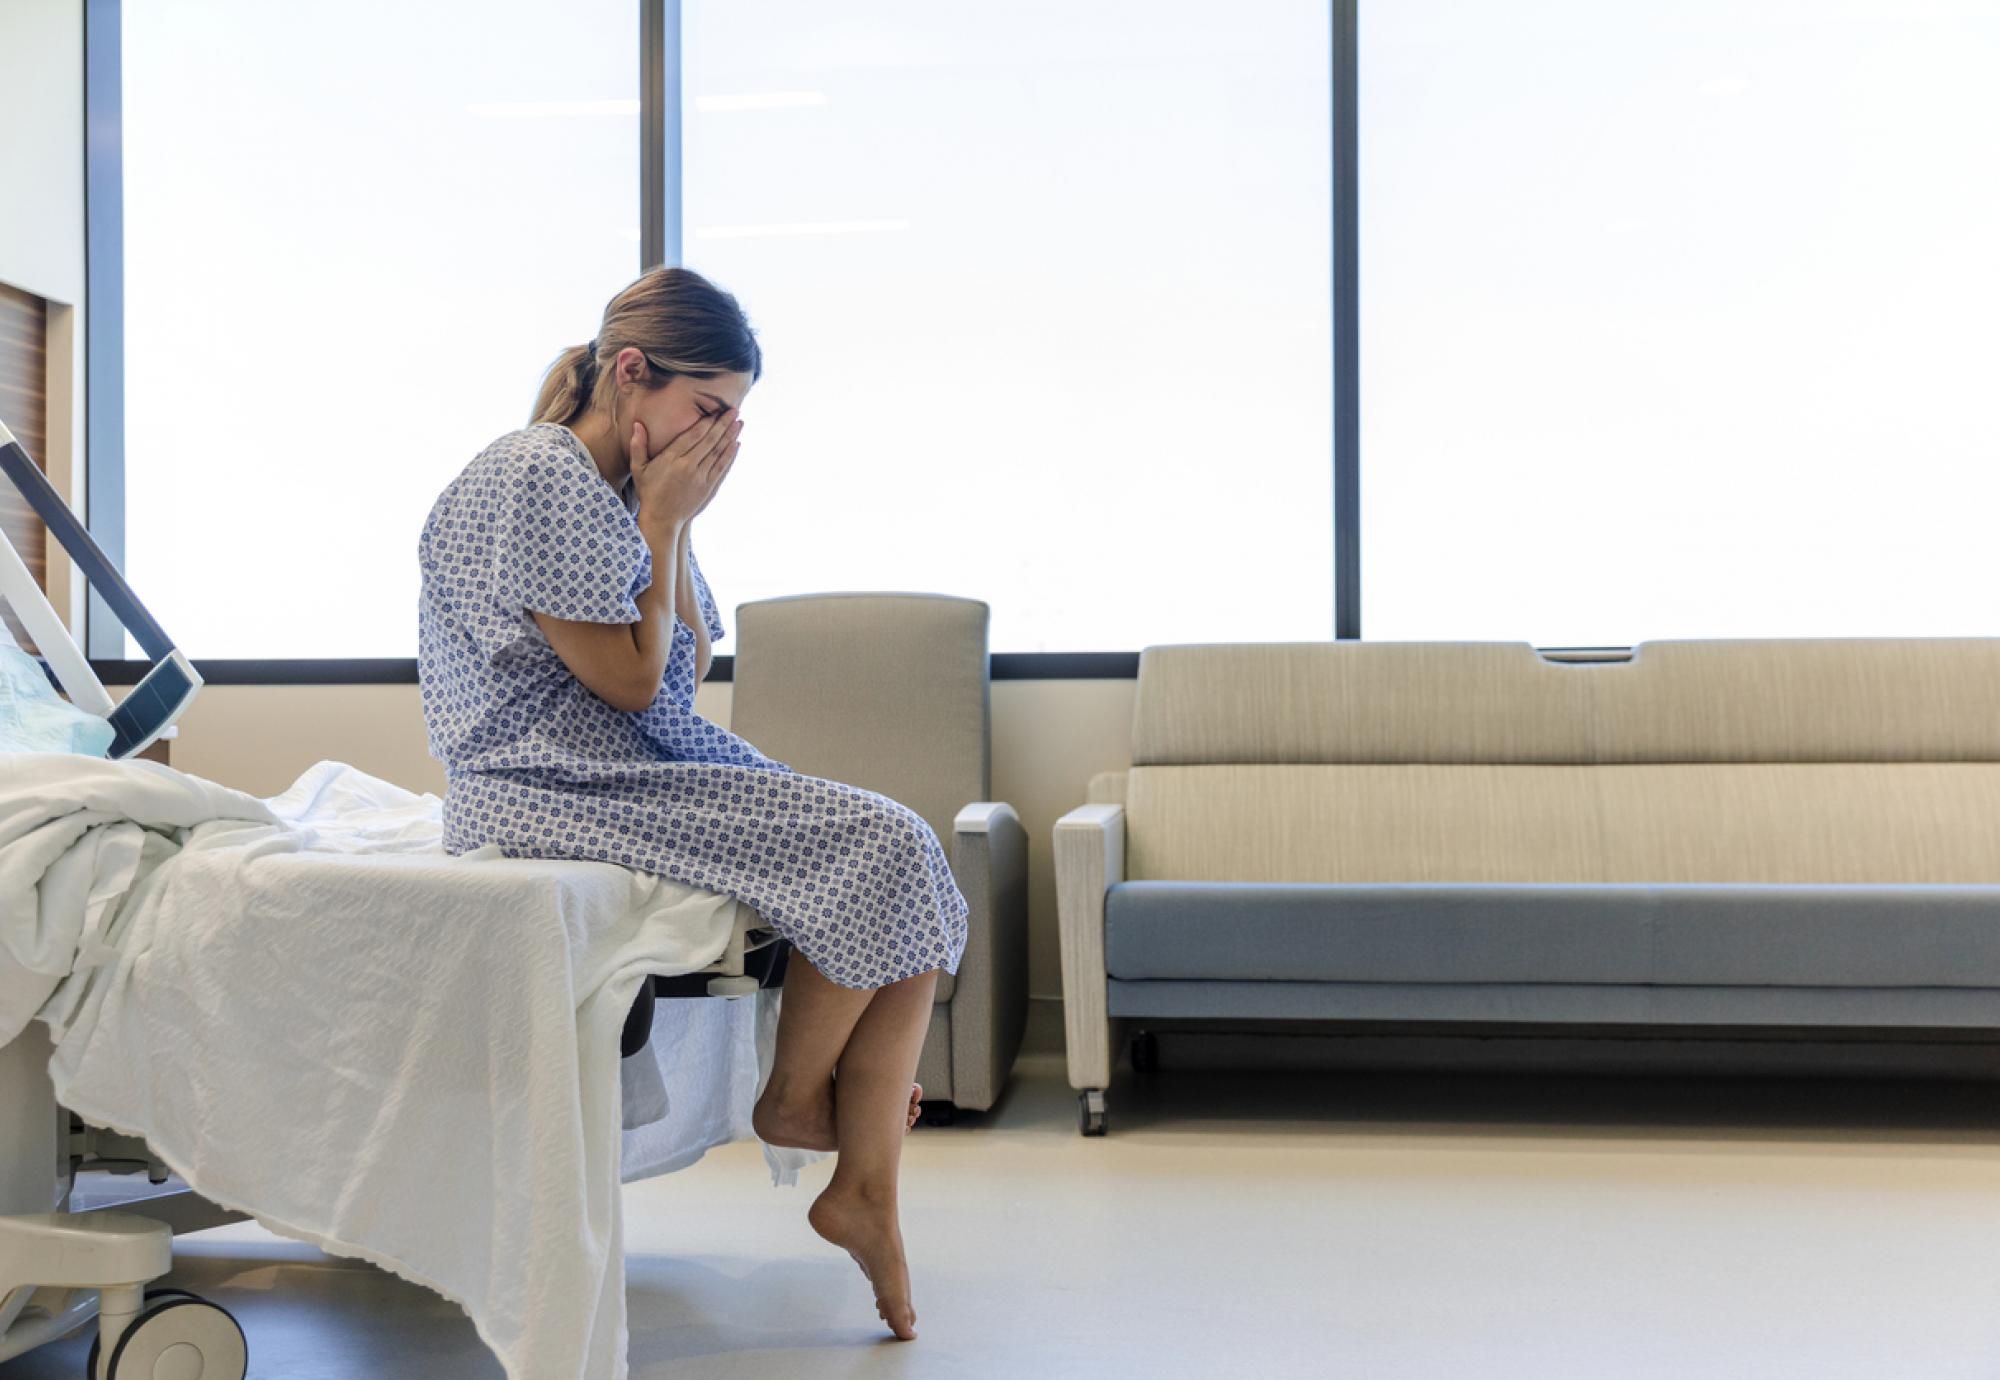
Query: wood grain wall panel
pixel 24 379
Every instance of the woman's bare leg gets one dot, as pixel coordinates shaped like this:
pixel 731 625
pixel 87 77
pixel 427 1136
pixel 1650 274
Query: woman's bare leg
pixel 858 1209
pixel 815 1019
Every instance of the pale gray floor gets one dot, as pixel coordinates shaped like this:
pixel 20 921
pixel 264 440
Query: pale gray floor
pixel 1285 1224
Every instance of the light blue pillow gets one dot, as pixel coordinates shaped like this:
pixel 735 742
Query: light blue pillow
pixel 34 718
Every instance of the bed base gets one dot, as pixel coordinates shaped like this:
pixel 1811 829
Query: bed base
pixel 63 1266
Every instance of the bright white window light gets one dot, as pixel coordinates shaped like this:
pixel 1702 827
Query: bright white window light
pixel 1677 319
pixel 805 227
pixel 542 110
pixel 1043 291
pixel 354 238
pixel 759 100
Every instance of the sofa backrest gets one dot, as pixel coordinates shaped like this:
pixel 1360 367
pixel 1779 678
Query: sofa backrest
pixel 1837 760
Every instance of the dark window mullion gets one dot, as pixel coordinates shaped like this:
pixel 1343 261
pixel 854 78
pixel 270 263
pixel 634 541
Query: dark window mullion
pixel 104 309
pixel 1346 330
pixel 659 133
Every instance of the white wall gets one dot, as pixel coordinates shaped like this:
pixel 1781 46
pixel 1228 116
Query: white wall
pixel 41 230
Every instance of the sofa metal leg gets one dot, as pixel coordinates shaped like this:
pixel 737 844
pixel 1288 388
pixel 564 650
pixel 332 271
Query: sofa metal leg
pixel 939 1112
pixel 1090 1111
pixel 1145 1052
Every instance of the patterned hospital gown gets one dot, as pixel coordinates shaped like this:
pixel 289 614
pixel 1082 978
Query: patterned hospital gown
pixel 538 764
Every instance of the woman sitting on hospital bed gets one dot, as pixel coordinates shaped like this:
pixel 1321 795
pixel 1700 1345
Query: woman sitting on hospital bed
pixel 564 625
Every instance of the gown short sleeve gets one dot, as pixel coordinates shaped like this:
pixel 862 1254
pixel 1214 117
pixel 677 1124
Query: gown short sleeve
pixel 564 545
pixel 710 614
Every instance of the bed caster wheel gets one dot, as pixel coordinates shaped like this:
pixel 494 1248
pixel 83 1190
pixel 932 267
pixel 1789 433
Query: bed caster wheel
pixel 1145 1052
pixel 152 1297
pixel 176 1336
pixel 939 1113
pixel 1090 1111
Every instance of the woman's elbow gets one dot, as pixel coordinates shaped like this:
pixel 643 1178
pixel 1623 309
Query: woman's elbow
pixel 636 697
pixel 631 693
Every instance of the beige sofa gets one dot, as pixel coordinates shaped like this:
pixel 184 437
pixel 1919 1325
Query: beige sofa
pixel 1757 832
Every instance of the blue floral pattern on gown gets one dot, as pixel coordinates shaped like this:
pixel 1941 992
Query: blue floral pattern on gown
pixel 538 764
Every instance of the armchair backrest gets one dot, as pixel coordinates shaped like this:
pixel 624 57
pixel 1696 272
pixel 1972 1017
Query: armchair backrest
pixel 888 692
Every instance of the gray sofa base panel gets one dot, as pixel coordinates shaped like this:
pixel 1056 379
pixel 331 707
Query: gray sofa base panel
pixel 1945 1007
pixel 1677 934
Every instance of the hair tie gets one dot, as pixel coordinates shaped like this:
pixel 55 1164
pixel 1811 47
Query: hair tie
pixel 591 348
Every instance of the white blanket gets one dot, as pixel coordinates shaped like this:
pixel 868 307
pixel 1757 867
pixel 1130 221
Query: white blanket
pixel 316 1017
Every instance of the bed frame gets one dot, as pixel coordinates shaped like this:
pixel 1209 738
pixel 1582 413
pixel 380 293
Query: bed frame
pixel 164 692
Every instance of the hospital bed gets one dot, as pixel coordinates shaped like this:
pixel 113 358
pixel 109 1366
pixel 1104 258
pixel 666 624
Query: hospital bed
pixel 63 1263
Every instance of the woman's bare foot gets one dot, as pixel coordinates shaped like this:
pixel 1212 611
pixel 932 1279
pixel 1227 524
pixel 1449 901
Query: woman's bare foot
pixel 809 1125
pixel 806 1123
pixel 868 1231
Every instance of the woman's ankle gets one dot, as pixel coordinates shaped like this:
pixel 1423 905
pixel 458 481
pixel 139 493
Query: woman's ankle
pixel 789 1091
pixel 870 1192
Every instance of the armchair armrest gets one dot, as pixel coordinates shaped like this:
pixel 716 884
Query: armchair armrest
pixel 989 1003
pixel 981 816
pixel 1089 859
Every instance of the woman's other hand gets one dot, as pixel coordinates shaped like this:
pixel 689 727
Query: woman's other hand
pixel 727 460
pixel 675 485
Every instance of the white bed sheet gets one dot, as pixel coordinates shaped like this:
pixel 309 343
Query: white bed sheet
pixel 319 1018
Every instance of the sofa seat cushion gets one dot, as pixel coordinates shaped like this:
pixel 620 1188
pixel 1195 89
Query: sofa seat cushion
pixel 1759 934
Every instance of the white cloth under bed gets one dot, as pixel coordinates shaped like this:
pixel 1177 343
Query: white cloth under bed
pixel 316 1016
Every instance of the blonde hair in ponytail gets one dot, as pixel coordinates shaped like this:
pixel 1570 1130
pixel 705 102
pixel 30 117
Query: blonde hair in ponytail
pixel 677 319
pixel 566 387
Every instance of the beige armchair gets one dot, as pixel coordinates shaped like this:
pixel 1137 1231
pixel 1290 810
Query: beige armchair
pixel 889 692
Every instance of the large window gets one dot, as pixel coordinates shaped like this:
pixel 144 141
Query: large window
pixel 1043 291
pixel 1677 319
pixel 1674 320
pixel 1044 295
pixel 355 235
